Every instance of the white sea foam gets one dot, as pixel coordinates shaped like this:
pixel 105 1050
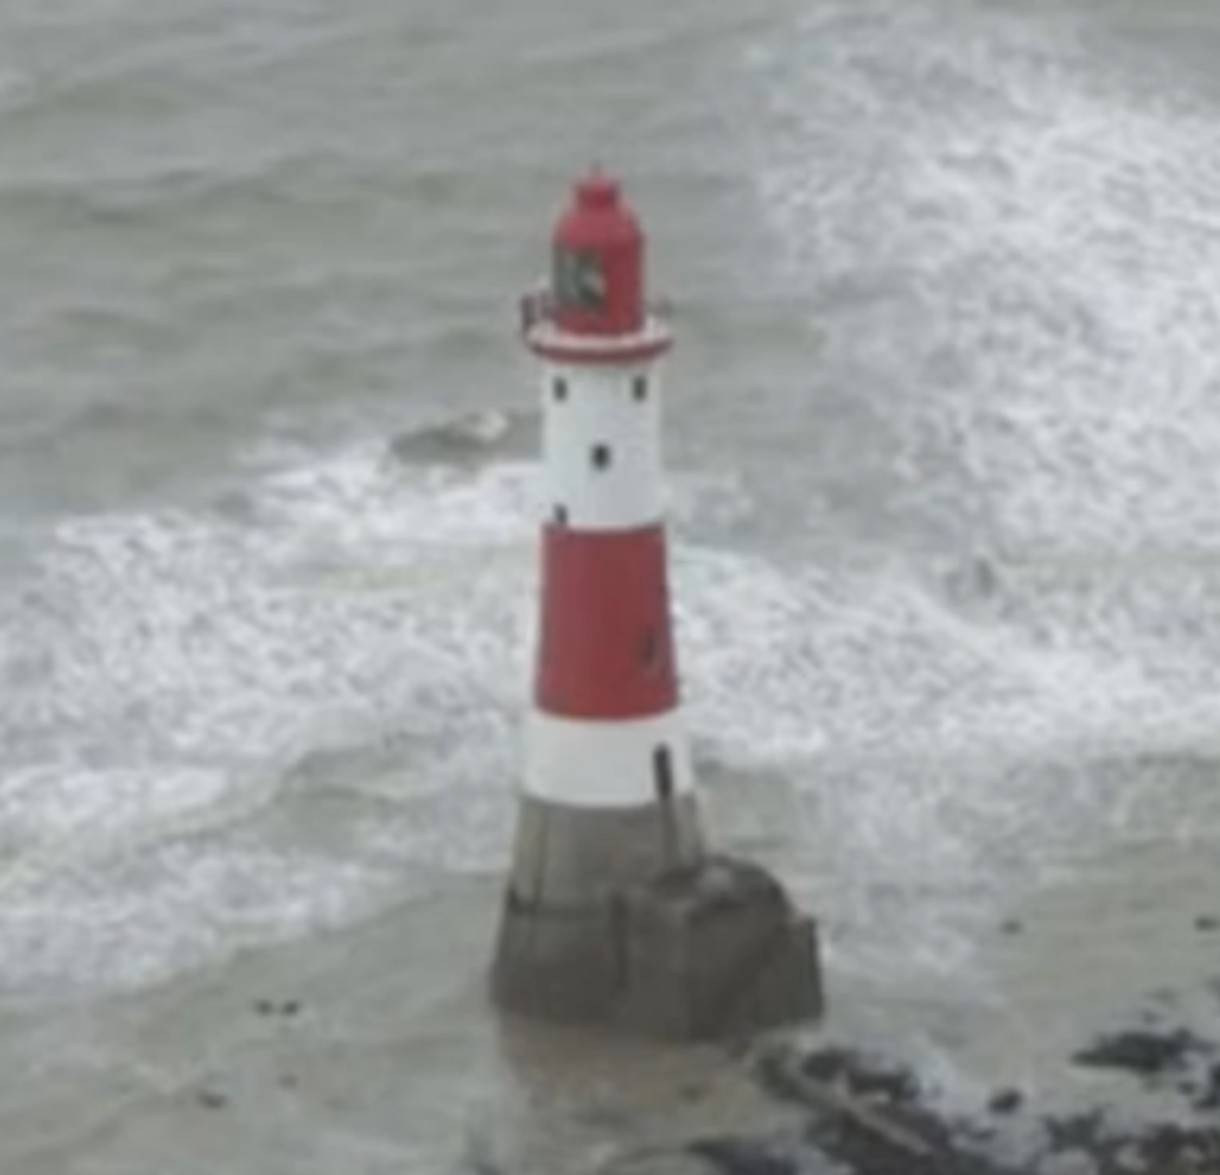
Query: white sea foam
pixel 365 621
pixel 169 669
pixel 372 623
pixel 1010 257
pixel 1046 250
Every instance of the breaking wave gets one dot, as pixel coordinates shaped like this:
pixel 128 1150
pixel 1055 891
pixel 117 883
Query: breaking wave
pixel 352 638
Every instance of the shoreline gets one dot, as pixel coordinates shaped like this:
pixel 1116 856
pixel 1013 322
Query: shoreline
pixel 375 1046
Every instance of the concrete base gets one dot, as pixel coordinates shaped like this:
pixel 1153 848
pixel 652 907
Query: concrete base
pixel 568 857
pixel 701 951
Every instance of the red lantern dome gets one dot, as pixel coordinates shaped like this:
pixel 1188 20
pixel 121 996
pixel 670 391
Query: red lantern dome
pixel 598 261
pixel 595 310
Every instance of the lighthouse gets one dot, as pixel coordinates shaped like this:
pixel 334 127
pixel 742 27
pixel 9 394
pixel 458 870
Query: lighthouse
pixel 616 910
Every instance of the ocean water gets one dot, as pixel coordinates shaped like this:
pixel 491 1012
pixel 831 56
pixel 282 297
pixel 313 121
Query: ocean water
pixel 943 457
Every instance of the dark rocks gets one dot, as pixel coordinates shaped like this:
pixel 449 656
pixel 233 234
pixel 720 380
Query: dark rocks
pixel 1209 1096
pixel 1158 1056
pixel 870 1115
pixel 867 1115
pixel 1149 1054
pixel 862 1076
pixel 466 440
pixel 287 1008
pixel 1205 923
pixel 873 1116
pixel 1076 1132
pixel 862 1153
pixel 1005 1101
pixel 745 1156
pixel 1177 1150
pixel 211 1099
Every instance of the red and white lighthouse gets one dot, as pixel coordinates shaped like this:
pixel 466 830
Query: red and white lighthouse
pixel 607 807
pixel 605 734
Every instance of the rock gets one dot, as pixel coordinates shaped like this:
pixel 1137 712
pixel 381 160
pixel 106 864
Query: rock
pixel 868 1117
pixel 1207 923
pixel 1005 1101
pixel 826 1064
pixel 973 581
pixel 462 438
pixel 1077 1132
pixel 1138 1051
pixel 1210 1097
pixel 744 1156
pixel 864 1077
pixel 1166 1143
pixel 211 1099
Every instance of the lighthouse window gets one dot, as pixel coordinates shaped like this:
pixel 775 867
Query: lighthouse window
pixel 559 389
pixel 578 281
pixel 600 456
pixel 561 516
pixel 639 387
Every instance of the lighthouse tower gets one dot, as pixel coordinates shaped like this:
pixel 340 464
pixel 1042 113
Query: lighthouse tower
pixel 615 911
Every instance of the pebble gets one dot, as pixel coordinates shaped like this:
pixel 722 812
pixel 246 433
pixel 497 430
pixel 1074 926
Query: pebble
pixel 1005 1101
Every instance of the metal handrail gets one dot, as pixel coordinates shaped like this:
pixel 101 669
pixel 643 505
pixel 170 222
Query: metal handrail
pixel 538 306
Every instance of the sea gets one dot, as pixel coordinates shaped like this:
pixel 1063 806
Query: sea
pixel 942 436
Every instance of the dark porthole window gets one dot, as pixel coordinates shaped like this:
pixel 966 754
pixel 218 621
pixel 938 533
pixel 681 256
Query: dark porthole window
pixel 600 456
pixel 561 516
pixel 559 389
pixel 639 387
